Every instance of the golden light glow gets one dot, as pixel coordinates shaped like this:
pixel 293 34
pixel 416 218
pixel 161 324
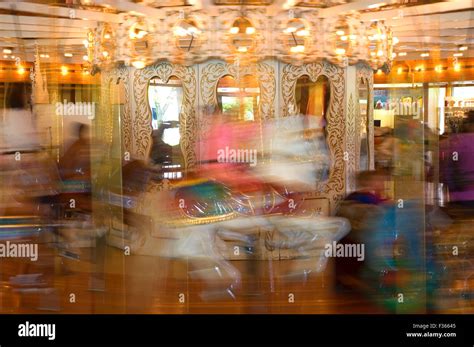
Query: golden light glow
pixel 21 70
pixel 250 30
pixel 340 32
pixel 402 54
pixel 64 70
pixel 380 4
pixel 420 68
pixel 457 55
pixel 68 55
pixel 424 55
pixel 439 68
pixel 297 49
pixel 7 51
pixel 340 51
pixel 303 32
pixel 457 67
pixel 138 64
pixel 234 30
pixel 463 48
pixel 399 71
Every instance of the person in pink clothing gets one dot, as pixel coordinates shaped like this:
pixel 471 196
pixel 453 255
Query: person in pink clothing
pixel 228 151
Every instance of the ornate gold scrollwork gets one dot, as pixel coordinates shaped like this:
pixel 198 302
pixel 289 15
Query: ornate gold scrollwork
pixel 109 77
pixel 142 128
pixel 333 188
pixel 212 72
pixel 366 73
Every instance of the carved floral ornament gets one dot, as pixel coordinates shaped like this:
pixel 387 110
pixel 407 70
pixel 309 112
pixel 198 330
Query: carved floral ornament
pixel 186 37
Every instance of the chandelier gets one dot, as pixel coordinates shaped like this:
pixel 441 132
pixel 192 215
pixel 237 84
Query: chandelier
pixel 189 36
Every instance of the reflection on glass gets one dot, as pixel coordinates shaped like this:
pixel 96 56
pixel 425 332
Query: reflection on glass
pixel 364 125
pixel 165 100
pixel 238 100
pixel 312 101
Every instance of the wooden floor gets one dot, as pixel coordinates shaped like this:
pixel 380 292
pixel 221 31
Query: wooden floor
pixel 143 284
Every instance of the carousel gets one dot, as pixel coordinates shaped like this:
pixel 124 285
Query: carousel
pixel 230 131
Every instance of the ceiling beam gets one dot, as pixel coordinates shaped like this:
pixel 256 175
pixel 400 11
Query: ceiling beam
pixel 64 12
pixel 439 7
pixel 40 35
pixel 438 33
pixel 128 6
pixel 466 24
pixel 42 28
pixel 351 6
pixel 45 21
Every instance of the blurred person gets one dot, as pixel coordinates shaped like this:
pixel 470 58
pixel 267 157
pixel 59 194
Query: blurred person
pixel 29 182
pixel 457 164
pixel 392 238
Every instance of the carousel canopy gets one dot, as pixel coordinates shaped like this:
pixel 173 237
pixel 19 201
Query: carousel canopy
pixel 103 32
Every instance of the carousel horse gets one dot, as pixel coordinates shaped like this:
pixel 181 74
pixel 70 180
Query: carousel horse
pixel 232 201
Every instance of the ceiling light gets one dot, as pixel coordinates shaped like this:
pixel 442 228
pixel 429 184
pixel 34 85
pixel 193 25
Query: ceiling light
pixel 302 32
pixel 402 54
pixel 85 57
pixel 395 40
pixel 380 4
pixel 457 55
pixel 340 51
pixel 457 67
pixel 399 71
pixel 7 51
pixel 68 55
pixel 141 34
pixel 439 68
pixel 297 49
pixel 340 32
pixel 463 48
pixel 21 70
pixel 423 55
pixel 138 64
pixel 107 36
pixel 234 30
pixel 64 70
pixel 250 30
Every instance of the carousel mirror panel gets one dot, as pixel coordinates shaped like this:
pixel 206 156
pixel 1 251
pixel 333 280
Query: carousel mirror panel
pixel 165 100
pixel 316 91
pixel 238 99
pixel 312 101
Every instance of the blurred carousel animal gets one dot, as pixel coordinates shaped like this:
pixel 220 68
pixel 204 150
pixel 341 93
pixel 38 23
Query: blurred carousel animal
pixel 244 200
